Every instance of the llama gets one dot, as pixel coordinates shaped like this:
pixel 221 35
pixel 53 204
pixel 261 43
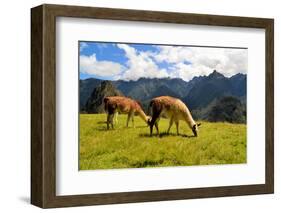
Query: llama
pixel 117 104
pixel 173 108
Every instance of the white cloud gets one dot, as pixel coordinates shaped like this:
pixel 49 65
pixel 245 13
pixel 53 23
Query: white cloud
pixel 180 62
pixel 188 62
pixel 173 54
pixel 90 65
pixel 188 71
pixel 183 62
pixel 140 64
pixel 102 45
pixel 83 45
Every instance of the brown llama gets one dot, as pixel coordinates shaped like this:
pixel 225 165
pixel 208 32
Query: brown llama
pixel 173 108
pixel 117 104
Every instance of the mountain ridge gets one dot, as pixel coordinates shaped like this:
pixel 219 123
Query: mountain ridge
pixel 198 93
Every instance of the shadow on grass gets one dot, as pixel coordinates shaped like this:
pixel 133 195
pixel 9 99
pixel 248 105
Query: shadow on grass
pixel 101 122
pixel 165 134
pixel 104 128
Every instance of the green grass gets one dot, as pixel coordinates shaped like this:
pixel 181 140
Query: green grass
pixel 217 143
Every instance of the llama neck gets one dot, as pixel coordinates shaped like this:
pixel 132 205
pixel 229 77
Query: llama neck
pixel 189 120
pixel 142 115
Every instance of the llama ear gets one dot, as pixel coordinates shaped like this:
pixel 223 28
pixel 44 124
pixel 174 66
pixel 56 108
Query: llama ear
pixel 199 124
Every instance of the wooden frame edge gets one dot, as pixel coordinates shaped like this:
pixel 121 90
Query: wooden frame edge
pixel 269 118
pixel 36 106
pixel 43 174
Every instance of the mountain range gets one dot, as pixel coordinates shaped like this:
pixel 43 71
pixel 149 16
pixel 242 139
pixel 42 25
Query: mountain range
pixel 200 94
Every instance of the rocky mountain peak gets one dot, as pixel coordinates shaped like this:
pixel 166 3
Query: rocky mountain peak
pixel 216 74
pixel 95 102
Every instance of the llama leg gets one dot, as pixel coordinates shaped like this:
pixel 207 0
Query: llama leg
pixel 156 126
pixel 156 111
pixel 151 129
pixel 116 118
pixel 177 125
pixel 133 121
pixel 111 112
pixel 151 124
pixel 108 120
pixel 128 119
pixel 111 120
pixel 170 124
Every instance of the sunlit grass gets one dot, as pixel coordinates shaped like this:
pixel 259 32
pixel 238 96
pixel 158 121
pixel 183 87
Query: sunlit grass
pixel 217 143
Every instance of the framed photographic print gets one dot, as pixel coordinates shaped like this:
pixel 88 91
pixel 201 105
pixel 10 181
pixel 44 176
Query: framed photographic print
pixel 136 106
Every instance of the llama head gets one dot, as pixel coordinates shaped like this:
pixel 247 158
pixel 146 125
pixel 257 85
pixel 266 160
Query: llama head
pixel 195 129
pixel 148 120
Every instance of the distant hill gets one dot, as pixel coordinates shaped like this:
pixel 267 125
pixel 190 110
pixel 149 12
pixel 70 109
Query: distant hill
pixel 200 94
pixel 142 89
pixel 228 109
pixel 239 84
pixel 94 103
pixel 86 88
pixel 145 88
pixel 214 87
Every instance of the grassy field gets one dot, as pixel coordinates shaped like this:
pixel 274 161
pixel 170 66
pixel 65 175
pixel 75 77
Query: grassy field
pixel 217 143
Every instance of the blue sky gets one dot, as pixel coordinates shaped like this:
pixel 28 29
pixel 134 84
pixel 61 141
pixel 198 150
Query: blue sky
pixel 112 61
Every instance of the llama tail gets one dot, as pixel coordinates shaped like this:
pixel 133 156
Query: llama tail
pixel 149 110
pixel 105 101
